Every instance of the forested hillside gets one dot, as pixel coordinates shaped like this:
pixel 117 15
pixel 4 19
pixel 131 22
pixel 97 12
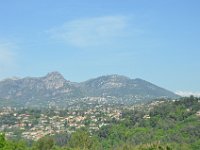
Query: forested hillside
pixel 170 125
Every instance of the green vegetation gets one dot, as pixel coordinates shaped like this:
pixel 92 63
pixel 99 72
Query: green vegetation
pixel 169 125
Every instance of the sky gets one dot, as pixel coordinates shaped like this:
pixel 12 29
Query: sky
pixel 155 40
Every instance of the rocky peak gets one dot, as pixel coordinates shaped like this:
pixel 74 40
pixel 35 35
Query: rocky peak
pixel 54 75
pixel 115 77
pixel 108 81
pixel 114 81
pixel 54 80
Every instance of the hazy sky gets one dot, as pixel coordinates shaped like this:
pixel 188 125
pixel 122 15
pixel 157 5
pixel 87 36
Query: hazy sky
pixel 158 41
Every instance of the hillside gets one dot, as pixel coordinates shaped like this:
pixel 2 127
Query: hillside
pixel 55 88
pixel 161 125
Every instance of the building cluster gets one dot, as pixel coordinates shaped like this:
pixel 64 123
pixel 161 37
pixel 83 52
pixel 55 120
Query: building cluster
pixel 34 127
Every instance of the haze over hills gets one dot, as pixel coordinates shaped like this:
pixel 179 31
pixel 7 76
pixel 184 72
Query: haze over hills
pixel 55 88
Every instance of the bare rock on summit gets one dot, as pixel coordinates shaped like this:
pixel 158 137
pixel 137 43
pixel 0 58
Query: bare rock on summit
pixel 54 80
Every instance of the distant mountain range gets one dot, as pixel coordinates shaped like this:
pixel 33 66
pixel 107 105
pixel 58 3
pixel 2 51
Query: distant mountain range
pixel 54 88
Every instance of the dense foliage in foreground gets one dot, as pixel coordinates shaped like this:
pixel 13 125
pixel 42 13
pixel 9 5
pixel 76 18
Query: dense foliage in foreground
pixel 169 126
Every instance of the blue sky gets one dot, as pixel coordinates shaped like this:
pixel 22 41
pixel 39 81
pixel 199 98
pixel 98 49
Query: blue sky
pixel 154 40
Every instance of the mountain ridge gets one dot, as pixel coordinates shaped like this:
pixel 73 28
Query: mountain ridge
pixel 54 87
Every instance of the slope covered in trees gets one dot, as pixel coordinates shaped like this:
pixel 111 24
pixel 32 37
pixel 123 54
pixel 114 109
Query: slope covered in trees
pixel 170 125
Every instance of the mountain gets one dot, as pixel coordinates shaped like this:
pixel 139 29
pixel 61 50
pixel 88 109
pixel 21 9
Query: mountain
pixel 120 86
pixel 54 88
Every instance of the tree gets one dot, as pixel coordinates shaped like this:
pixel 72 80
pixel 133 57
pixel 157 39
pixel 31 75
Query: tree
pixel 45 143
pixel 2 140
pixel 81 139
